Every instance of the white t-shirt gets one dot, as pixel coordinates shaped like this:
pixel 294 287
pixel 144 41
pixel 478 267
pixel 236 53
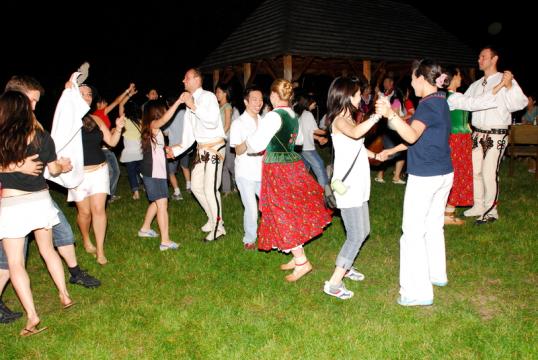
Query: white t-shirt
pixel 247 166
pixel 358 180
pixel 307 125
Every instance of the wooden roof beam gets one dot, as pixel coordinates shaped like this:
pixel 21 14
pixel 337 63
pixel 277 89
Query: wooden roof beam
pixel 271 67
pixel 287 61
pixel 302 70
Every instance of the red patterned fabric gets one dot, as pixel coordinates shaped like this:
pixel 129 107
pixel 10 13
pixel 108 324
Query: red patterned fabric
pixel 460 152
pixel 292 207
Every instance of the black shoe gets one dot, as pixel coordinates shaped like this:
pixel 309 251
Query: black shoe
pixel 487 219
pixel 84 279
pixel 6 315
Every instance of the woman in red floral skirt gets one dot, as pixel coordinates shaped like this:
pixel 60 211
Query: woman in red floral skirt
pixel 291 200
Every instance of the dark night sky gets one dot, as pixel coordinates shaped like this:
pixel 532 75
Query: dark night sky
pixel 155 44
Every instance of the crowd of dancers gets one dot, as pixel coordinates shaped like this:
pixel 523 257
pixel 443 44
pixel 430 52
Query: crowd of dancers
pixel 270 175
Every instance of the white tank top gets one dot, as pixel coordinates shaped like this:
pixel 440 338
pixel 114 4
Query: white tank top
pixel 358 180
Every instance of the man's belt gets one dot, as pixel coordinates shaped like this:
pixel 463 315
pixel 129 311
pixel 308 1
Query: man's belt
pixel 492 131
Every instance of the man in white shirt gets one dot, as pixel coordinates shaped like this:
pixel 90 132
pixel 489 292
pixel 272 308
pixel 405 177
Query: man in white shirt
pixel 490 134
pixel 202 124
pixel 248 167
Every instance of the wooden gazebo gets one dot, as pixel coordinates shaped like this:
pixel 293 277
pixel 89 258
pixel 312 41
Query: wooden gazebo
pixel 293 38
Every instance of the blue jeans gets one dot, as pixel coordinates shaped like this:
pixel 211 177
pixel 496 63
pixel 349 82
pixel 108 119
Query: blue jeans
pixel 313 161
pixel 113 170
pixel 249 189
pixel 357 224
pixel 133 174
pixel 62 234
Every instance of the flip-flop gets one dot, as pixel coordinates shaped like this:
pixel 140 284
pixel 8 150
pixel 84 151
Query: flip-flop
pixel 67 306
pixel 29 332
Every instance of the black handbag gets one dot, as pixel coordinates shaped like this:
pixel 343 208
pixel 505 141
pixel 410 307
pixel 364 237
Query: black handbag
pixel 328 197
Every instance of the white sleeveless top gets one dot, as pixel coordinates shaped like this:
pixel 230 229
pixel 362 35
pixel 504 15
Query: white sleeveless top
pixel 358 180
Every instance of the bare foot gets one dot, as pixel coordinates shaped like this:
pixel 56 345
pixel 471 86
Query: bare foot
pixel 90 249
pixel 101 260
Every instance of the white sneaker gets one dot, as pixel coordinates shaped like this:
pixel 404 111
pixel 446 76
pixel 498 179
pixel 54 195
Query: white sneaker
pixel 341 292
pixel 148 233
pixel 207 227
pixel 353 274
pixel 171 246
pixel 473 212
pixel 214 236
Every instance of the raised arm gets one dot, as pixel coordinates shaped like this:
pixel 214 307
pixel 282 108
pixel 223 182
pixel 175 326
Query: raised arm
pixel 207 109
pixel 110 137
pixel 124 101
pixel 131 90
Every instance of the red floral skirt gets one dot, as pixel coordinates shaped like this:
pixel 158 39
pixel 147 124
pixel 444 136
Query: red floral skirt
pixel 462 161
pixel 292 207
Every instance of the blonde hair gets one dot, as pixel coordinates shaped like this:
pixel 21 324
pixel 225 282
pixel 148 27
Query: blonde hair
pixel 283 88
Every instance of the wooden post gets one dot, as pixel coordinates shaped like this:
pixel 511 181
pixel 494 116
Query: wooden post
pixel 367 69
pixel 247 71
pixel 472 74
pixel 216 74
pixel 288 67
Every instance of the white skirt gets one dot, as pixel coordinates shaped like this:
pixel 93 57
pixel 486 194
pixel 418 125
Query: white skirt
pixel 20 215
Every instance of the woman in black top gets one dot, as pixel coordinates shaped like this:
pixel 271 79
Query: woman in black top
pixel 26 204
pixel 90 195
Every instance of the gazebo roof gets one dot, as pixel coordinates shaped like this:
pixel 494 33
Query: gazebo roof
pixel 377 30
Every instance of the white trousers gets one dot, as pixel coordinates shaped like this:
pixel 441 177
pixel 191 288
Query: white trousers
pixel 422 245
pixel 488 150
pixel 205 182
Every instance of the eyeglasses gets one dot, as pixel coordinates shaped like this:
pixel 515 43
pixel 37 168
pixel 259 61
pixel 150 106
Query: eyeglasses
pixel 485 82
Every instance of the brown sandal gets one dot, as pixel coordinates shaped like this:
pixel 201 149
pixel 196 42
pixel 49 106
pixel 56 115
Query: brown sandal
pixel 299 271
pixel 451 219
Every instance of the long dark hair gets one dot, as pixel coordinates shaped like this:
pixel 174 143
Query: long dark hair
pixel 153 110
pixel 339 96
pixel 133 112
pixel 17 125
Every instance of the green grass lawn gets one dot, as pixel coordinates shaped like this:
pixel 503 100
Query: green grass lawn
pixel 218 301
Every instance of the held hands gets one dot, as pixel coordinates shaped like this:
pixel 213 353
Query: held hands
pixel 382 107
pixel 65 164
pixel 169 152
pixel 186 97
pixel 383 155
pixel 507 79
pixel 131 90
pixel 322 140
